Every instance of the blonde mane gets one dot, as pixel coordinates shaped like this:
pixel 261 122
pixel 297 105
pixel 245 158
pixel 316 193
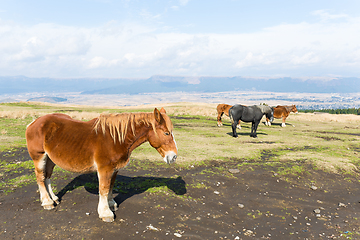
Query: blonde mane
pixel 118 124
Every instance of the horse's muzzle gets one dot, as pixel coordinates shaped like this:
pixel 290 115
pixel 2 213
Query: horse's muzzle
pixel 170 157
pixel 271 119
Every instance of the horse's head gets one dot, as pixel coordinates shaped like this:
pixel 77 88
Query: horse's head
pixel 294 109
pixel 162 138
pixel 270 114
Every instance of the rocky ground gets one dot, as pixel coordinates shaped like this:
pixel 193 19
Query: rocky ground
pixel 219 200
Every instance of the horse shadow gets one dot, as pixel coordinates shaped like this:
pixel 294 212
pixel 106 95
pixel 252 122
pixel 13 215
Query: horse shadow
pixel 245 133
pixel 273 124
pixel 125 187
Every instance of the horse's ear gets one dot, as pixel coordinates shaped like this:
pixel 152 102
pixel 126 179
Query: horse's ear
pixel 162 110
pixel 157 115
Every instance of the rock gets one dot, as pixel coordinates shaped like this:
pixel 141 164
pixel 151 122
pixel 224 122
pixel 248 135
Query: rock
pixel 342 205
pixel 241 205
pixel 151 227
pixel 248 233
pixel 317 211
pixel 313 187
pixel 234 171
pixel 216 192
pixel 177 235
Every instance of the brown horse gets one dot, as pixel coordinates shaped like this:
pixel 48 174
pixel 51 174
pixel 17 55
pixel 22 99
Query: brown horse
pixel 282 112
pixel 103 144
pixel 221 109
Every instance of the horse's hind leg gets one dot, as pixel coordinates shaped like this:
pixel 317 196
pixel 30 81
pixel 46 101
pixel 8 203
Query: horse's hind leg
pixel 112 204
pixel 239 125
pixel 233 126
pixel 283 122
pixel 49 170
pixel 40 163
pixel 219 123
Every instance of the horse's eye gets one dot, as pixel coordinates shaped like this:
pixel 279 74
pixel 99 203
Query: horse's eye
pixel 167 133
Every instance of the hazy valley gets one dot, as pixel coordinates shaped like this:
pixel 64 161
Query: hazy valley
pixel 311 93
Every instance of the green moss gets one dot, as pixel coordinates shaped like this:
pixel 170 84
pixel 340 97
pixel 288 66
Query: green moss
pixel 17 182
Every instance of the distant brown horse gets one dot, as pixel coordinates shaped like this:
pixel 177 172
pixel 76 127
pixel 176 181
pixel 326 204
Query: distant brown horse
pixel 282 112
pixel 221 109
pixel 101 145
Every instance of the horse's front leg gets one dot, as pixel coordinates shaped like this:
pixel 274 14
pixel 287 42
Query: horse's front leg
pixel 105 178
pixel 112 204
pixel 254 127
pixel 267 122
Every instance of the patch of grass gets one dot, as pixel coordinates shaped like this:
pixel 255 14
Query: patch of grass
pixel 13 134
pixel 199 185
pixel 26 104
pixel 17 182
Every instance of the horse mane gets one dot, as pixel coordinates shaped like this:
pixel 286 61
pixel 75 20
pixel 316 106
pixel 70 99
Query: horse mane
pixel 289 108
pixel 118 124
pixel 264 108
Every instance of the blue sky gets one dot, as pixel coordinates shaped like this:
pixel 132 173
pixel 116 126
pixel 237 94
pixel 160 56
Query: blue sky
pixel 141 38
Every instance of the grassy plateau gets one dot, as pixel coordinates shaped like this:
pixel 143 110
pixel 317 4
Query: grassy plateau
pixel 219 188
pixel 324 141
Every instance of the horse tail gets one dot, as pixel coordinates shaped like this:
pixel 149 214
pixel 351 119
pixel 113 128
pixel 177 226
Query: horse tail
pixel 230 115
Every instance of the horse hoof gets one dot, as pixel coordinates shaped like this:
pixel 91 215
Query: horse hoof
pixel 48 207
pixel 108 219
pixel 57 202
pixel 114 208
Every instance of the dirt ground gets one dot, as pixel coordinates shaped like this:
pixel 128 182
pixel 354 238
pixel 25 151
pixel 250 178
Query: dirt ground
pixel 214 201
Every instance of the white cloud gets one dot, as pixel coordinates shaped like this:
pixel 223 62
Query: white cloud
pixel 175 8
pixel 133 50
pixel 325 15
pixel 183 2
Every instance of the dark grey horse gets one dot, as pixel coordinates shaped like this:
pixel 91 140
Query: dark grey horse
pixel 251 114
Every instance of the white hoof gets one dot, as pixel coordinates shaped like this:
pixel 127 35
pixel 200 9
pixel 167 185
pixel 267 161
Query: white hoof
pixel 48 207
pixel 108 219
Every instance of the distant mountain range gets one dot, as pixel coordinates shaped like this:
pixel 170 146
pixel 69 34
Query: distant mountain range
pixel 21 84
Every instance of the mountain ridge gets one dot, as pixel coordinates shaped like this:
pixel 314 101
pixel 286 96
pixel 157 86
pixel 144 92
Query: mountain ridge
pixel 158 83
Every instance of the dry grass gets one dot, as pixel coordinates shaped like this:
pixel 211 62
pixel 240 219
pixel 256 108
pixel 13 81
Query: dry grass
pixel 322 139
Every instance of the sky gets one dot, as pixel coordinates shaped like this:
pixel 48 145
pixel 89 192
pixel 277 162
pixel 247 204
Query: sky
pixel 142 38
